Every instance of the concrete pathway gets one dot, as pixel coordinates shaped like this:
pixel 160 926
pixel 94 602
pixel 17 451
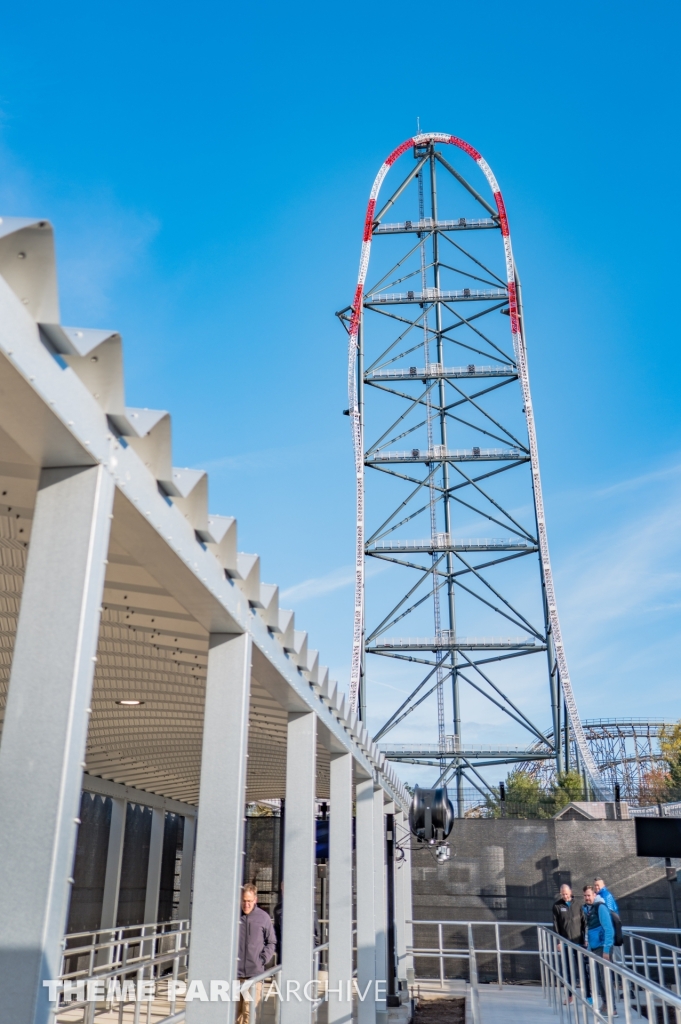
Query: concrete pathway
pixel 514 1004
pixel 526 1005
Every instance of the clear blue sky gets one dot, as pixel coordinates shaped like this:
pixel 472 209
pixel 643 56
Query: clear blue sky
pixel 206 167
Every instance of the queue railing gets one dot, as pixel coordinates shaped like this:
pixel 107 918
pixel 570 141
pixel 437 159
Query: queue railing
pixel 584 988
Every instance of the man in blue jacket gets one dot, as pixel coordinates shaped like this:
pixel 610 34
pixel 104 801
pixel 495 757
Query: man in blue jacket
pixel 600 935
pixel 605 894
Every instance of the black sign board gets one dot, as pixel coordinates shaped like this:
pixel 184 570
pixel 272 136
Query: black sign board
pixel 658 837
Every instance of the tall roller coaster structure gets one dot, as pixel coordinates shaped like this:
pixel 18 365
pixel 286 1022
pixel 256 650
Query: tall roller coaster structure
pixel 626 751
pixel 451 518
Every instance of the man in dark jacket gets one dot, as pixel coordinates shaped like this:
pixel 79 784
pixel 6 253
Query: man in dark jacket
pixel 567 917
pixel 257 945
pixel 568 921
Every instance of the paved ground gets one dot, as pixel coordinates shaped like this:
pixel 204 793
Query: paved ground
pixel 514 1004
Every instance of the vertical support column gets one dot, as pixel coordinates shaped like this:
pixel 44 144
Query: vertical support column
pixel 380 906
pixel 187 869
pixel 158 822
pixel 566 718
pixel 340 889
pixel 400 915
pixel 114 862
pixel 45 730
pixel 366 919
pixel 408 913
pixel 392 998
pixel 219 847
pixel 299 868
pixel 112 877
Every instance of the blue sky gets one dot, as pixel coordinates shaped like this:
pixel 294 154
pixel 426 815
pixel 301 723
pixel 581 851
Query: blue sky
pixel 206 168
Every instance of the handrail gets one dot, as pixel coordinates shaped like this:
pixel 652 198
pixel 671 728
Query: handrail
pixel 568 972
pixel 119 957
pixel 468 950
pixel 131 951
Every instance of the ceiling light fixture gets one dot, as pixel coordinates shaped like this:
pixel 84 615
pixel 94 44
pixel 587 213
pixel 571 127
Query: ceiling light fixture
pixel 130 703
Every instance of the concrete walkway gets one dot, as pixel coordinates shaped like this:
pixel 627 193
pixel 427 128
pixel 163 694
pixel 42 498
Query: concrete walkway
pixel 514 1004
pixel 526 1005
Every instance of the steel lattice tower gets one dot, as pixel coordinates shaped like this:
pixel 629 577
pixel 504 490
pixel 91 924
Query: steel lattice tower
pixel 436 387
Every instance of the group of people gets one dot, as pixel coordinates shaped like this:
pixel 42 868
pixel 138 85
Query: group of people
pixel 594 924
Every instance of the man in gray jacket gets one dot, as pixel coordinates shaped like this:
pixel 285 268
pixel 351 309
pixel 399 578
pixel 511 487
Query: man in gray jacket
pixel 257 945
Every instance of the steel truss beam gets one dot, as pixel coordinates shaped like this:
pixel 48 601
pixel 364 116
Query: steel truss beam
pixel 420 331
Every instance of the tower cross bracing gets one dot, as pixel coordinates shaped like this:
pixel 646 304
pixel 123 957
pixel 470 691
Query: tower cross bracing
pixel 449 497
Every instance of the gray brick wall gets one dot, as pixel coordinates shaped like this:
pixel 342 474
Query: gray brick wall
pixel 511 870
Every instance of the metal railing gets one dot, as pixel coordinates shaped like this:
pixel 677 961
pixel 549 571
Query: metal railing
pixel 439 452
pixel 445 542
pixel 428 224
pixel 584 988
pixel 670 810
pixel 438 370
pixel 107 967
pixel 433 294
pixel 446 639
pixel 452 745
pixel 465 948
pixel 642 981
pixel 118 960
pixel 656 959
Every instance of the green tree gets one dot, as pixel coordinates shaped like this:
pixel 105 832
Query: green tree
pixel 569 786
pixel 525 798
pixel 670 748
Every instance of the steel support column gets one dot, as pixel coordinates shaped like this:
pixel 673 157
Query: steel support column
pixel 187 869
pixel 220 840
pixel 340 889
pixel 114 862
pixel 366 913
pixel 299 869
pixel 392 999
pixel 112 877
pixel 408 913
pixel 45 730
pixel 158 821
pixel 400 915
pixel 380 907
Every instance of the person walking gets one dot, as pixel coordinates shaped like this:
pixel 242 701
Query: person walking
pixel 599 938
pixel 569 922
pixel 611 903
pixel 257 945
pixel 605 894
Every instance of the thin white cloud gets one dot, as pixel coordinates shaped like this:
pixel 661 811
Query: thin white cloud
pixel 634 482
pixel 99 240
pixel 320 585
pixel 629 573
pixel 105 244
pixel 261 458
